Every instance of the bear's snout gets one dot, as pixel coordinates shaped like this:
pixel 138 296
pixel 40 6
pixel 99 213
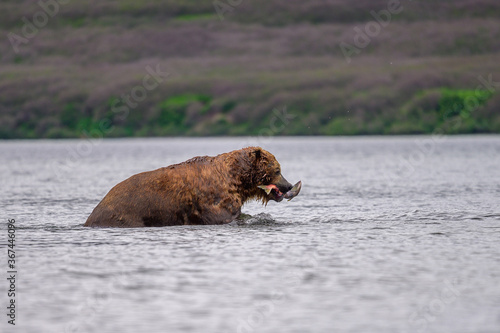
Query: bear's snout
pixel 283 185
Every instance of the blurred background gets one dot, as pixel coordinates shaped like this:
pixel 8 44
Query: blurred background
pixel 248 67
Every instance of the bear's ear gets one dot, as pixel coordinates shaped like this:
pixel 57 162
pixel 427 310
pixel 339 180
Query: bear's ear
pixel 254 154
pixel 258 153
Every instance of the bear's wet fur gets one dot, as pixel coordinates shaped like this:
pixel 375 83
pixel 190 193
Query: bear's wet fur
pixel 202 190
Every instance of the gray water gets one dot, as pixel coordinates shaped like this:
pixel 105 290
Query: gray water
pixel 392 234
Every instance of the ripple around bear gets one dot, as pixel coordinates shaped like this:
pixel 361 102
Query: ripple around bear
pixel 202 190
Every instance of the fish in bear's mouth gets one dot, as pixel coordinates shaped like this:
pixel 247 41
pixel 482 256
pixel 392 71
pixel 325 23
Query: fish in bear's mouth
pixel 277 195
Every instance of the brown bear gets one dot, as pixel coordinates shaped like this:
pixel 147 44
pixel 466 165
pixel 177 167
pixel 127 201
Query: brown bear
pixel 202 190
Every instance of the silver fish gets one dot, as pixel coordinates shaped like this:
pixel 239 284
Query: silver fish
pixel 268 188
pixel 294 191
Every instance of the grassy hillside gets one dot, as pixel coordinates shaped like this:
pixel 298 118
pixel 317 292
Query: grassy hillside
pixel 261 67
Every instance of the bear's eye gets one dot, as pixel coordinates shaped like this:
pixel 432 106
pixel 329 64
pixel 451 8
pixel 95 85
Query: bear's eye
pixel 278 172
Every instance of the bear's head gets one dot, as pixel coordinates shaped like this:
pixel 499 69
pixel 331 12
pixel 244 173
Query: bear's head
pixel 264 180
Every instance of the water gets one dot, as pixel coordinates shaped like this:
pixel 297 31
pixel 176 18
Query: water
pixel 393 234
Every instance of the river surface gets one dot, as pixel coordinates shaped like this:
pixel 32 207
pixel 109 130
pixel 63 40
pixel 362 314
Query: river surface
pixel 389 234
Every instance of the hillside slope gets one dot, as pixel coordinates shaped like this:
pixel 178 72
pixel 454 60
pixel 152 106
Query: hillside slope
pixel 281 67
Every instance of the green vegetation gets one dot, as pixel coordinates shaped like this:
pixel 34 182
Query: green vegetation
pixel 437 108
pixel 268 68
pixel 461 102
pixel 171 119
